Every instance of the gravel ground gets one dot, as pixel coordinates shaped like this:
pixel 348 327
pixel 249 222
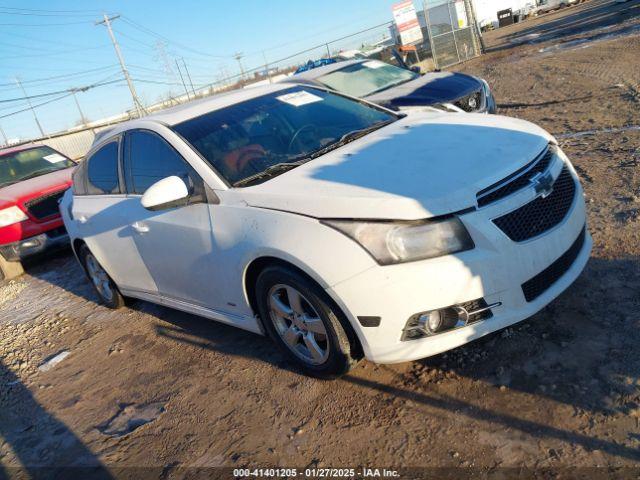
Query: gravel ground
pixel 147 386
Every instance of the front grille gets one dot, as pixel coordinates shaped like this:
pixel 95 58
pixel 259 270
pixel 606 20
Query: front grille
pixel 541 214
pixel 470 103
pixel 537 285
pixel 518 180
pixel 43 207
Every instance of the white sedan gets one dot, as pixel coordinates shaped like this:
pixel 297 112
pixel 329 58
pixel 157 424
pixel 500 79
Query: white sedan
pixel 339 228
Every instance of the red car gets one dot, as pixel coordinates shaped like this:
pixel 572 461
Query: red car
pixel 32 180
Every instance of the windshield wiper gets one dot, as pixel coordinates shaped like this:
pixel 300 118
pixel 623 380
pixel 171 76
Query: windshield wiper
pixel 268 172
pixel 284 166
pixel 350 137
pixel 355 134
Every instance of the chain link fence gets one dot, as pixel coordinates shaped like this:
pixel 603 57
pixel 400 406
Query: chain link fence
pixel 452 30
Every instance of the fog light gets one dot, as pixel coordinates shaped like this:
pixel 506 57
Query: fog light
pixel 430 321
pixel 438 321
pixel 426 324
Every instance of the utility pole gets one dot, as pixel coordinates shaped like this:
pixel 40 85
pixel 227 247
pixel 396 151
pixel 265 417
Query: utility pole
pixel 238 56
pixel 30 106
pixel 82 117
pixel 189 77
pixel 182 80
pixel 136 101
pixel 266 66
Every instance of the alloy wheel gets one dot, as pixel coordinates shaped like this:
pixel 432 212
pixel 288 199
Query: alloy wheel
pixel 99 277
pixel 298 324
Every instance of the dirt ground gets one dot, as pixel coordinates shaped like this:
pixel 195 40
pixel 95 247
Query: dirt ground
pixel 152 387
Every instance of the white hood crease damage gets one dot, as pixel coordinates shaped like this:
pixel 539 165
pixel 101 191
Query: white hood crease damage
pixel 424 165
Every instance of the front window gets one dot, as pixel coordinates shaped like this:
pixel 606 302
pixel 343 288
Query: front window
pixel 366 78
pixel 25 164
pixel 281 129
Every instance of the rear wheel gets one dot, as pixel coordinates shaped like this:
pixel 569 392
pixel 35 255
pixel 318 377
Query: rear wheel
pixel 104 286
pixel 304 322
pixel 9 270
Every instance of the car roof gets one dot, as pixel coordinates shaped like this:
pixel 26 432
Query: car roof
pixel 186 111
pixel 196 108
pixel 314 73
pixel 19 148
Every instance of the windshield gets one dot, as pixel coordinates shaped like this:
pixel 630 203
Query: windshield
pixel 366 78
pixel 30 163
pixel 288 126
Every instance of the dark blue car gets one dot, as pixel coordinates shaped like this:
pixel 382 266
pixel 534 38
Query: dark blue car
pixel 396 88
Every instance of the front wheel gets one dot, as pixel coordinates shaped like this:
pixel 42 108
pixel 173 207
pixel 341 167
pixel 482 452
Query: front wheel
pixel 104 286
pixel 303 321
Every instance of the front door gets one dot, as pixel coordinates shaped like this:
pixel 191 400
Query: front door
pixel 174 243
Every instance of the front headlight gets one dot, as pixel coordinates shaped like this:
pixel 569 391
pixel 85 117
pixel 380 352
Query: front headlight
pixel 11 215
pixel 398 242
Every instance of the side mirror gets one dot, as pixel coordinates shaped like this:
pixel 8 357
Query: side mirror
pixel 416 69
pixel 165 193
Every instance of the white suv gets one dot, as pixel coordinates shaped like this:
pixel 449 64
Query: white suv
pixel 339 228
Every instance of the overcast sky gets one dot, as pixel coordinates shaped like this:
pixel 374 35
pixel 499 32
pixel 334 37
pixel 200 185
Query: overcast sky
pixel 41 39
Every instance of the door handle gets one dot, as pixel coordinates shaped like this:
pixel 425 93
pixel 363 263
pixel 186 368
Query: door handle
pixel 140 227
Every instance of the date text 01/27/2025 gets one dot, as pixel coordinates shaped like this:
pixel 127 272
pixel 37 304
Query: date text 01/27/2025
pixel 365 472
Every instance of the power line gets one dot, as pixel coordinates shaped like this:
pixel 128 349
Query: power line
pixel 49 94
pixel 62 52
pixel 33 14
pixel 69 93
pixel 45 40
pixel 158 35
pixel 66 75
pixel 119 32
pixel 42 24
pixel 93 12
pixel 31 97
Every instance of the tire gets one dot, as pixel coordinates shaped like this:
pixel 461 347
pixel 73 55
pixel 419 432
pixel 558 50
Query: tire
pixel 103 285
pixel 334 355
pixel 9 270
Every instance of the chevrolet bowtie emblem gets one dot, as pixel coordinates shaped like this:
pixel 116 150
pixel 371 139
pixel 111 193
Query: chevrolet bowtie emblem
pixel 543 184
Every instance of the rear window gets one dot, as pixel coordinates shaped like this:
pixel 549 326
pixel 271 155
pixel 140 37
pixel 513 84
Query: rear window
pixel 102 173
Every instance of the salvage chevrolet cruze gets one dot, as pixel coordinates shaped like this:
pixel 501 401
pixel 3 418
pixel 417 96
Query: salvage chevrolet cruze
pixel 340 229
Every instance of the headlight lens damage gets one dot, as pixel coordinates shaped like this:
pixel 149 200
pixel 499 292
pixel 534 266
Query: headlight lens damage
pixel 398 242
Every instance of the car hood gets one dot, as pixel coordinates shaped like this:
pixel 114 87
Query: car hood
pixel 429 89
pixel 424 165
pixel 35 187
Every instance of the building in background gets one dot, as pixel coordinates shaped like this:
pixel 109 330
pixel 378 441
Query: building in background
pixel 487 10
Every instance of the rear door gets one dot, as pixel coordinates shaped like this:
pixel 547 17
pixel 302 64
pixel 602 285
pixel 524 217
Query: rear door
pixel 103 215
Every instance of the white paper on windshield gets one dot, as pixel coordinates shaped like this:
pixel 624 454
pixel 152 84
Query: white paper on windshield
pixel 300 98
pixel 54 158
pixel 373 64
